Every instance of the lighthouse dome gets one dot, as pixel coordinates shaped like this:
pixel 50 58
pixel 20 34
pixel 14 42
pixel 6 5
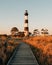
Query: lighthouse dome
pixel 26 13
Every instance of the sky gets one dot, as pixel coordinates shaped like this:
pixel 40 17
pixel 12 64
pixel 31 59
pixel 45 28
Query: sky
pixel 12 15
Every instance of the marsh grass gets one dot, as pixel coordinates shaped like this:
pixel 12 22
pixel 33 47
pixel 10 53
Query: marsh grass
pixel 7 47
pixel 42 48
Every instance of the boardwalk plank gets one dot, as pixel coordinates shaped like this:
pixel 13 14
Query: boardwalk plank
pixel 23 56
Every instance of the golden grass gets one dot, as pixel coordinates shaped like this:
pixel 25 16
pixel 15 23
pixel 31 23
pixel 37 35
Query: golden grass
pixel 7 47
pixel 44 44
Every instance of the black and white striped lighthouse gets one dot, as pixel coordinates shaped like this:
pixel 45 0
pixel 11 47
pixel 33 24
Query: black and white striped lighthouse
pixel 26 28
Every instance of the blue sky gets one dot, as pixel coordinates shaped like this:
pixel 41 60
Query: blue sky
pixel 12 14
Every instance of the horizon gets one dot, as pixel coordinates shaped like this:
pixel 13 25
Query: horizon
pixel 12 15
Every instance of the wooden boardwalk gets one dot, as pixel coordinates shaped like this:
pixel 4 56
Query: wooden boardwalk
pixel 23 56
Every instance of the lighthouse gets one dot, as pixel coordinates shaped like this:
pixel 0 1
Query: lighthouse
pixel 26 28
